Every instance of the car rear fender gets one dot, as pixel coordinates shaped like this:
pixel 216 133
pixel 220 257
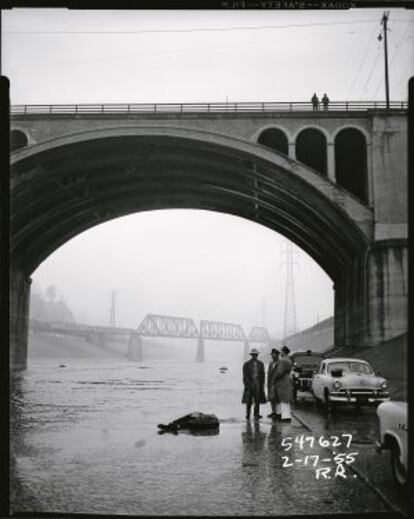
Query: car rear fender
pixel 390 438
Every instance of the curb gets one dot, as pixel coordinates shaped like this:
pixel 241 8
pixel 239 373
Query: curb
pixel 362 476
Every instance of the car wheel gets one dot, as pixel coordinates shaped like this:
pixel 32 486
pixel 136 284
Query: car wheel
pixel 315 398
pixel 326 402
pixel 397 468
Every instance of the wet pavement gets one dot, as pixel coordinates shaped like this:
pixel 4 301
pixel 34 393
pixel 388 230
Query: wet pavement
pixel 85 440
pixel 363 425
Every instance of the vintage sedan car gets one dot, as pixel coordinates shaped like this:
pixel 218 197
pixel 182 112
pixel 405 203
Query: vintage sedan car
pixel 393 426
pixel 347 380
pixel 304 365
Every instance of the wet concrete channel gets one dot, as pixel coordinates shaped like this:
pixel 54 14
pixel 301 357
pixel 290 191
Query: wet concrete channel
pixel 85 440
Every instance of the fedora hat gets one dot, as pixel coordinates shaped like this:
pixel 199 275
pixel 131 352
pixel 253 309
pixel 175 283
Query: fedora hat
pixel 253 351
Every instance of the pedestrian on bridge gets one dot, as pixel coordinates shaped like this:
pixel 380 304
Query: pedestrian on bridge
pixel 253 380
pixel 283 384
pixel 271 387
pixel 325 101
pixel 315 102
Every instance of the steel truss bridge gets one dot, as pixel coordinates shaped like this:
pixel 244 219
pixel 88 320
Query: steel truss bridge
pixel 154 325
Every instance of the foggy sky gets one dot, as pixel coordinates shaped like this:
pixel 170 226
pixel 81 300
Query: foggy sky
pixel 195 263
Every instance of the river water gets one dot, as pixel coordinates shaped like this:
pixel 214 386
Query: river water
pixel 85 440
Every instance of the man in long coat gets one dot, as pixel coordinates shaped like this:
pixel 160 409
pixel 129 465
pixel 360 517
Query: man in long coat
pixel 283 384
pixel 253 380
pixel 271 387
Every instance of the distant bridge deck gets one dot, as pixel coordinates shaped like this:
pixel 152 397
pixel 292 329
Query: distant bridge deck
pixel 176 108
pixel 159 326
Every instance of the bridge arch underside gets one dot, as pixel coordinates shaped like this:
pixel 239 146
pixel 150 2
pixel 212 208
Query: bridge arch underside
pixel 59 191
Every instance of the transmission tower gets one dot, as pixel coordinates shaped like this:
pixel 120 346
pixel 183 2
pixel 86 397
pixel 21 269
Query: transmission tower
pixel 289 324
pixel 112 310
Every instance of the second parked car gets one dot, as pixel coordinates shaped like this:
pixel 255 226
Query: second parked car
pixel 348 381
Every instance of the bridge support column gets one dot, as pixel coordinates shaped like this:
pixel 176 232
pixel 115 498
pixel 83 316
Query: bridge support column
pixel 292 150
pixel 135 347
pixel 97 339
pixel 330 149
pixel 350 306
pixel 246 350
pixel 387 265
pixel 200 350
pixel 19 318
pixel 371 300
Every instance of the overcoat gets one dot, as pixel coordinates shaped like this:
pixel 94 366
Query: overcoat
pixel 282 381
pixel 271 388
pixel 248 381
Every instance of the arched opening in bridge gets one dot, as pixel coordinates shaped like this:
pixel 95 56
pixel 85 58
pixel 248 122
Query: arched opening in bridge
pixel 275 139
pixel 18 139
pixel 311 149
pixel 193 264
pixel 351 161
pixel 101 175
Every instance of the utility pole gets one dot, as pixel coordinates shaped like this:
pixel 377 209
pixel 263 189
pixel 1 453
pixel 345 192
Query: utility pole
pixel 384 21
pixel 112 310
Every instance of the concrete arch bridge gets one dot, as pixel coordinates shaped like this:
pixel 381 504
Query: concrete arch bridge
pixel 334 182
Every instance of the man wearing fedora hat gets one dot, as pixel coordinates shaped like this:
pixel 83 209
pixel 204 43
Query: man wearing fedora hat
pixel 271 386
pixel 253 380
pixel 283 384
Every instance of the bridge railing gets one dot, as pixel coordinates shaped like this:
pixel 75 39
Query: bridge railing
pixel 163 108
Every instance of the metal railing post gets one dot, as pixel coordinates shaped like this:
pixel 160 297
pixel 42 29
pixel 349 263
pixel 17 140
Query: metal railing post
pixel 346 105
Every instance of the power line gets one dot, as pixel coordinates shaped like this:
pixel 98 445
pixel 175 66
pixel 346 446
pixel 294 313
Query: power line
pixel 200 29
pixel 372 69
pixel 192 50
pixel 395 53
pixel 363 60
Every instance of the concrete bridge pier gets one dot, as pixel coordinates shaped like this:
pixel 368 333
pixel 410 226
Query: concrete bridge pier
pixel 19 317
pixel 371 300
pixel 97 339
pixel 200 350
pixel 387 305
pixel 135 347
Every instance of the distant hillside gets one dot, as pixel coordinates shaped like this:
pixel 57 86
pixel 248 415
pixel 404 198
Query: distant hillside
pixel 59 347
pixel 318 337
pixel 53 346
pixel 388 358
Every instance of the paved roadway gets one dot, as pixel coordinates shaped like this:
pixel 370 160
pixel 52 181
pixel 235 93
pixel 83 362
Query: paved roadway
pixel 363 425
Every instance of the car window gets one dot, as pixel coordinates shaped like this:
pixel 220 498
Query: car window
pixel 350 367
pixel 360 367
pixel 307 360
pixel 323 365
